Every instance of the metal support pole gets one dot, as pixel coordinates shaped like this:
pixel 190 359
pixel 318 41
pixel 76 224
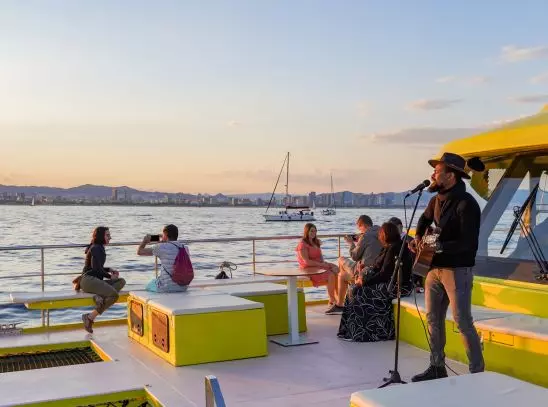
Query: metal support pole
pixel 43 283
pixel 339 239
pixel 253 241
pixel 156 266
pixel 42 268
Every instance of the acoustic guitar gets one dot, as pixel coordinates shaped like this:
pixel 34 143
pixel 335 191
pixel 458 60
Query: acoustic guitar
pixel 426 250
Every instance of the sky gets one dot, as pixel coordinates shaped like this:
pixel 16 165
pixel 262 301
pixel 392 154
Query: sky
pixel 209 96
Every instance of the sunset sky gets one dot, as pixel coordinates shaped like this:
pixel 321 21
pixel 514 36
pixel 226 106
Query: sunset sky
pixel 208 96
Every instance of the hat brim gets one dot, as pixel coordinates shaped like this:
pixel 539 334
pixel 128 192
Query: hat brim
pixel 464 174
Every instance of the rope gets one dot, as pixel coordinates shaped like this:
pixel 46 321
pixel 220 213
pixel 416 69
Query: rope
pixel 225 266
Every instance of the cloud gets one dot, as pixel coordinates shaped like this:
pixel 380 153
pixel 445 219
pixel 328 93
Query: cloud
pixel 540 78
pixel 364 109
pixel 479 80
pixel 474 80
pixel 432 104
pixel 234 123
pixel 423 136
pixel 446 79
pixel 543 98
pixel 512 53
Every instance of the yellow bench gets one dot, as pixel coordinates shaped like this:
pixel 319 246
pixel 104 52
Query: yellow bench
pixel 200 327
pixel 514 344
pixel 47 300
pixel 274 298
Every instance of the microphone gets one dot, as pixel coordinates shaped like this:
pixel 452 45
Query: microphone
pixel 418 188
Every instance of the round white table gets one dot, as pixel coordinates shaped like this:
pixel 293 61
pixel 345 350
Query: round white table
pixel 294 338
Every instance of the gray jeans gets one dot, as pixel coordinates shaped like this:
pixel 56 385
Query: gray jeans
pixel 444 287
pixel 107 289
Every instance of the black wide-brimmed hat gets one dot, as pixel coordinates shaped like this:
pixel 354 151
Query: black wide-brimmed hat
pixel 453 161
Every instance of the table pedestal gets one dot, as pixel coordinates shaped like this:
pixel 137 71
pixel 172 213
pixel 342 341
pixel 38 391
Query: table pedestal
pixel 294 338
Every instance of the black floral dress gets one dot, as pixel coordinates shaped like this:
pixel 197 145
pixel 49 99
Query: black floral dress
pixel 368 313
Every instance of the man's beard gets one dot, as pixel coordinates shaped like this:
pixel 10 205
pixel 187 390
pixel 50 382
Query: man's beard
pixel 434 187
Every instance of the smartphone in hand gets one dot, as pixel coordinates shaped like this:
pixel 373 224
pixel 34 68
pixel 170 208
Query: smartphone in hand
pixel 154 238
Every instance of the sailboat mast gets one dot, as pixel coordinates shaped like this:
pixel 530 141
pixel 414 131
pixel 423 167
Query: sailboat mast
pixel 287 183
pixel 332 192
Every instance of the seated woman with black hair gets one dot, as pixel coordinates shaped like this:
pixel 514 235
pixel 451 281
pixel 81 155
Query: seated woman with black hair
pixel 97 279
pixel 368 314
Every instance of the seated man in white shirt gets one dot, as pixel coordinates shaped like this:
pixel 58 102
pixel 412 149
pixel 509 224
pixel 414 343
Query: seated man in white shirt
pixel 166 250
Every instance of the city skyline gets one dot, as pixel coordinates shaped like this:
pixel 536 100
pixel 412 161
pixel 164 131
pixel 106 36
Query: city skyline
pixel 186 96
pixel 105 195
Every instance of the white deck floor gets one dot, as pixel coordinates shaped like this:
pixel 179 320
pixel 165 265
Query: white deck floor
pixel 324 374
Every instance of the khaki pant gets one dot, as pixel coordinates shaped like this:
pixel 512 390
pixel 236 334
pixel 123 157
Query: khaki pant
pixel 107 289
pixel 452 287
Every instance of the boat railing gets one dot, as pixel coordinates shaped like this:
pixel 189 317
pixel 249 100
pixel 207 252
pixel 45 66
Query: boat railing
pixel 253 262
pixel 252 239
pixel 213 394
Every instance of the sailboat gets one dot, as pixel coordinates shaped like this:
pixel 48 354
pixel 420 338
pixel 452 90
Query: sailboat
pixel 291 213
pixel 330 210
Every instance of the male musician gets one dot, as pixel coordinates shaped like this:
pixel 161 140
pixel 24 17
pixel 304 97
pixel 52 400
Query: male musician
pixel 450 279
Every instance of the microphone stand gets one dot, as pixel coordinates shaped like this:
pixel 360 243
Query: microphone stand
pixel 395 377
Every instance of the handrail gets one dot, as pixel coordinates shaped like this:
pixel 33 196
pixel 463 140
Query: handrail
pixel 42 274
pixel 216 240
pixel 213 394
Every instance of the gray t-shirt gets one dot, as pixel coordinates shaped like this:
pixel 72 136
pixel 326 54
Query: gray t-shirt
pixel 167 252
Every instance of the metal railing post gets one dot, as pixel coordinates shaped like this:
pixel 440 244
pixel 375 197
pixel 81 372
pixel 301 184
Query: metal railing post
pixel 43 283
pixel 156 266
pixel 253 256
pixel 339 239
pixel 42 268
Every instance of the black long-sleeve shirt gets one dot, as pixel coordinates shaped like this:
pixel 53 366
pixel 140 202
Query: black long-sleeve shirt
pixel 386 262
pixel 95 262
pixel 459 236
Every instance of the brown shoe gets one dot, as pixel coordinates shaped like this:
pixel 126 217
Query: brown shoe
pixel 88 323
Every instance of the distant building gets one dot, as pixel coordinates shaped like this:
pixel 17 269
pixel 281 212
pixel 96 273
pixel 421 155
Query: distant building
pixel 114 196
pixel 347 198
pixel 311 198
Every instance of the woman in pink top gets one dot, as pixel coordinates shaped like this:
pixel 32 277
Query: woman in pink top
pixel 309 254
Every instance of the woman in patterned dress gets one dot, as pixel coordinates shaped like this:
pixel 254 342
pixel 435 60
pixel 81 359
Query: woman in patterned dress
pixel 368 314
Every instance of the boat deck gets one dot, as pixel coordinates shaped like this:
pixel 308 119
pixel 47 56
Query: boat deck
pixel 324 374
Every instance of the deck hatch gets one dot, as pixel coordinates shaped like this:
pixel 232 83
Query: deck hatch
pixel 44 359
pixel 136 317
pixel 160 330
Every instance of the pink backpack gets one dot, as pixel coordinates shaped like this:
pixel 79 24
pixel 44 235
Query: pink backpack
pixel 183 273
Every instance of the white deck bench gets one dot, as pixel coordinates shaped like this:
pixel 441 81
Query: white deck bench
pixel 57 299
pixel 480 389
pixel 274 298
pixel 478 312
pixel 199 327
pixel 514 344
pixel 70 298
